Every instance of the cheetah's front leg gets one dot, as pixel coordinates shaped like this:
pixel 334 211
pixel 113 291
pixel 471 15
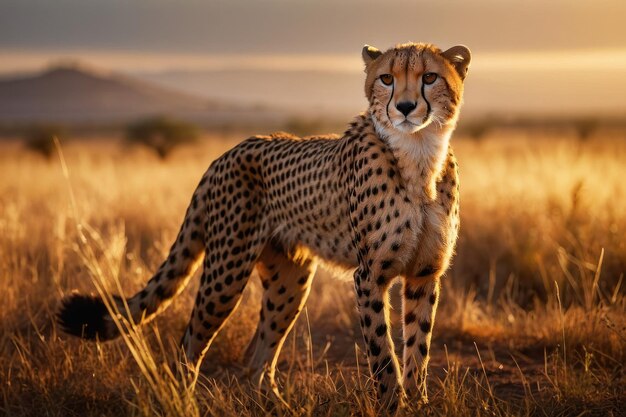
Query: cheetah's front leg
pixel 421 286
pixel 385 226
pixel 419 304
pixel 381 258
pixel 372 300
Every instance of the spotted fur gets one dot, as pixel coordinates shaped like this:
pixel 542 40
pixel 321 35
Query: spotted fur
pixel 382 199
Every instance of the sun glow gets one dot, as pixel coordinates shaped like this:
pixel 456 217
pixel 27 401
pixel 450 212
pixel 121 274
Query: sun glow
pixel 136 61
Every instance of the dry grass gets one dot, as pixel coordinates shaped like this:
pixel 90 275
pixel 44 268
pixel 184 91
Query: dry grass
pixel 532 320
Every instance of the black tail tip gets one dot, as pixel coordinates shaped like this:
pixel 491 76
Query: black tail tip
pixel 84 316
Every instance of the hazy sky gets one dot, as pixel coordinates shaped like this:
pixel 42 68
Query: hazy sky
pixel 306 26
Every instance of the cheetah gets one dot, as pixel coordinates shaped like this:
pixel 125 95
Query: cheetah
pixel 382 200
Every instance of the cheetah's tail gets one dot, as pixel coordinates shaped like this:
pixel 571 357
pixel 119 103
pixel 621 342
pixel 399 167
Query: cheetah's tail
pixel 87 316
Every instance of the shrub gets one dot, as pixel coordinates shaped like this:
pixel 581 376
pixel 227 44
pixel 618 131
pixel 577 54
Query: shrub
pixel 40 138
pixel 305 127
pixel 161 134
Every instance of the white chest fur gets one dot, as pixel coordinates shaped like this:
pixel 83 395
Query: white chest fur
pixel 420 158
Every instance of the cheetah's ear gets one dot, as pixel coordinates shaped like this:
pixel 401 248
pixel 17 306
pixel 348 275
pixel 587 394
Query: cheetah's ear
pixel 370 54
pixel 460 57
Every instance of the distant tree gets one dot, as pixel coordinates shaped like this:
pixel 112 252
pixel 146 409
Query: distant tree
pixel 585 127
pixel 304 127
pixel 161 134
pixel 477 129
pixel 40 138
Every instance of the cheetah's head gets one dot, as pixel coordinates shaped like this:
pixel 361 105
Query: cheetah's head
pixel 414 86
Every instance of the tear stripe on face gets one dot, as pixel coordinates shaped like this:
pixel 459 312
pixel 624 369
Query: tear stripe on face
pixel 428 108
pixel 393 88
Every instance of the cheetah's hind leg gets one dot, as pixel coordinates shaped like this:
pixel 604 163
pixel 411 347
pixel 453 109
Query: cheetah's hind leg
pixel 287 282
pixel 228 263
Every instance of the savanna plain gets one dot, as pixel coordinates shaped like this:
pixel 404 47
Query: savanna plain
pixel 531 321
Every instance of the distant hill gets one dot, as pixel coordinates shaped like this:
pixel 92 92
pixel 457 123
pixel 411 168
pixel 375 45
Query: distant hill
pixel 74 94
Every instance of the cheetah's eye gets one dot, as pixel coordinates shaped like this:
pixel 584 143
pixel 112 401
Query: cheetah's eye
pixel 387 79
pixel 429 78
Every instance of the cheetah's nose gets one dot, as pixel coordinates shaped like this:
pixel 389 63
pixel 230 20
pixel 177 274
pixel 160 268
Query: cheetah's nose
pixel 406 107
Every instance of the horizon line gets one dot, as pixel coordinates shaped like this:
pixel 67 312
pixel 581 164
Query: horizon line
pixel 20 61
